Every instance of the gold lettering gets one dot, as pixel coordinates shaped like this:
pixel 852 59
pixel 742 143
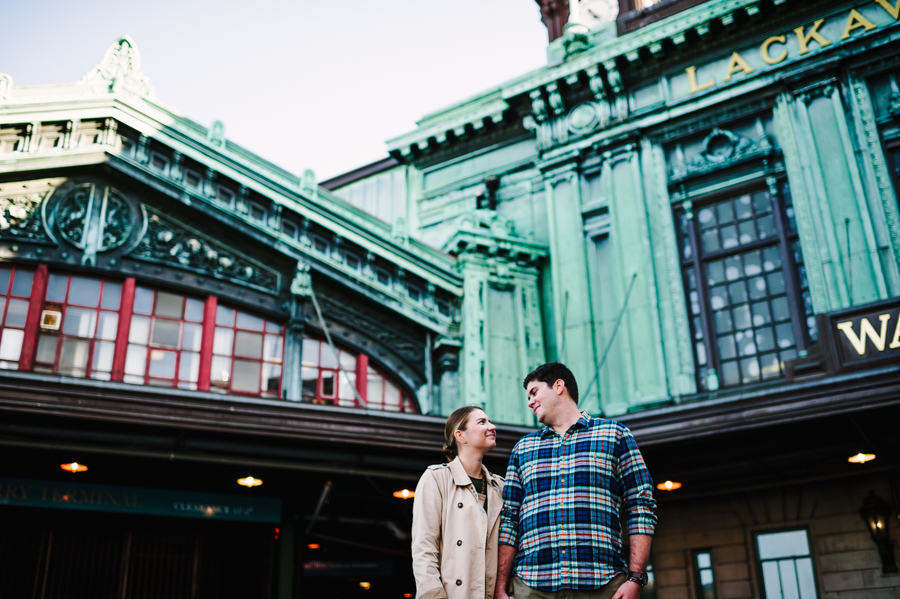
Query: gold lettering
pixel 894 10
pixel 855 21
pixel 43 493
pixel 775 39
pixel 896 342
pixel 865 330
pixel 803 39
pixel 736 65
pixel 56 495
pixel 12 492
pixel 112 498
pixel 24 492
pixel 692 79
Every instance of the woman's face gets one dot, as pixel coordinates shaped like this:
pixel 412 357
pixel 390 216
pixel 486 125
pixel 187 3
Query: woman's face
pixel 480 432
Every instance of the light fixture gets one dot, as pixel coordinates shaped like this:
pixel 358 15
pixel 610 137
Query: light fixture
pixel 366 585
pixel 249 481
pixel 313 546
pixel 407 594
pixel 668 486
pixel 876 513
pixel 404 494
pixel 74 467
pixel 861 458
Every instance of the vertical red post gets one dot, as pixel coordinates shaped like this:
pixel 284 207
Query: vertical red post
pixel 32 321
pixel 362 377
pixel 125 310
pixel 206 344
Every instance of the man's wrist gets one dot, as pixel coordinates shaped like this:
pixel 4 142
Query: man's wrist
pixel 637 577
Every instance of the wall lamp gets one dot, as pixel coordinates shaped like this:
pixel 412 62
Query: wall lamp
pixel 877 513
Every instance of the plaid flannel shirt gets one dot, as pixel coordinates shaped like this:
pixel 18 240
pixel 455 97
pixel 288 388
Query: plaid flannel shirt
pixel 562 502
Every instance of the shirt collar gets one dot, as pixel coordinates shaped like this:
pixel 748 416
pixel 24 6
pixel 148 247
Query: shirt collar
pixel 462 479
pixel 583 422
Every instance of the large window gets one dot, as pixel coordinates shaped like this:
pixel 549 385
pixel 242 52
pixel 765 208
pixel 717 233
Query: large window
pixel 746 287
pixel 247 354
pixel 79 325
pixel 704 580
pixel 786 564
pixel 15 291
pixel 324 383
pixel 164 340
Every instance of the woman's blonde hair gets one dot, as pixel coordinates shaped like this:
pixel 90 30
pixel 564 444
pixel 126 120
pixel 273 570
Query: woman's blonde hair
pixel 455 422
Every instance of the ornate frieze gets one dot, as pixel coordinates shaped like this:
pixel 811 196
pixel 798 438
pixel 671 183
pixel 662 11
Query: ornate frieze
pixel 120 70
pixel 720 149
pixel 170 242
pixel 20 216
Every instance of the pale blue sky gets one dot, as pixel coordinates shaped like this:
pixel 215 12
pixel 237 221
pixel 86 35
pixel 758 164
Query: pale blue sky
pixel 305 84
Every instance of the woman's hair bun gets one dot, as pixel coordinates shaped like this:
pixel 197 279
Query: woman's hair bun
pixel 449 452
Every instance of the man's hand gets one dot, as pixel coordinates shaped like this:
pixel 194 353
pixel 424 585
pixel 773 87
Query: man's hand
pixel 503 595
pixel 628 590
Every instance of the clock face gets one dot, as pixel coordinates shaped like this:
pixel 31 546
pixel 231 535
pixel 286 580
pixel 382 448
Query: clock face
pixel 596 12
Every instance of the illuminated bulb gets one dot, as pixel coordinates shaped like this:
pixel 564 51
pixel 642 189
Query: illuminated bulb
pixel 404 494
pixel 366 585
pixel 878 525
pixel 313 546
pixel 249 481
pixel 861 458
pixel 668 486
pixel 74 467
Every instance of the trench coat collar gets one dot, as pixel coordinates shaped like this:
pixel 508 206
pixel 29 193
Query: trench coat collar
pixel 462 479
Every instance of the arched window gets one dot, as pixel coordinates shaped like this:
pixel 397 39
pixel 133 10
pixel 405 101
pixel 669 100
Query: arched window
pixel 324 383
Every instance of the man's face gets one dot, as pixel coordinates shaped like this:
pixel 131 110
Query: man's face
pixel 544 399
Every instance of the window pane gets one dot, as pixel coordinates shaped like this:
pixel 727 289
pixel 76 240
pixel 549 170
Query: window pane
pixel 108 326
pixel 11 344
pixel 189 367
pixel 348 361
pixel 391 396
pixel 272 378
pixel 223 341
pixel 771 580
pixel 703 560
pixel 84 292
pixel 169 305
pixel 220 372
pixel 166 333
pixel 271 327
pixel 56 288
pixel 347 389
pixel 143 301
pixel 805 579
pixel 327 357
pixel 21 286
pixel 328 383
pixel 192 337
pixel 783 544
pixel 112 295
pixel 248 345
pixel 375 390
pixel 788 574
pixel 249 322
pixel 193 310
pixel 224 316
pixel 310 380
pixel 310 352
pixel 16 313
pixel 136 360
pixel 140 330
pixel 246 377
pixel 5 275
pixel 273 349
pixel 46 351
pixel 73 357
pixel 162 364
pixel 103 356
pixel 79 322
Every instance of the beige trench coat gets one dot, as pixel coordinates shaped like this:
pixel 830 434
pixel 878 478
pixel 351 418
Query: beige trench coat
pixel 454 542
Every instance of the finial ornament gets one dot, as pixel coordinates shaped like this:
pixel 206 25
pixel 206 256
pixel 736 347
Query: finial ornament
pixel 6 84
pixel 120 69
pixel 216 134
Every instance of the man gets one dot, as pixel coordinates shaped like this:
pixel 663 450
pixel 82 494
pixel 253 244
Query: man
pixel 566 487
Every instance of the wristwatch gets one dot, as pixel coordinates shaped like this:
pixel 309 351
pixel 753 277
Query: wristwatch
pixel 638 577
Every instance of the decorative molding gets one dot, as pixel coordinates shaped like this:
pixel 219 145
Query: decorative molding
pixel 721 149
pixel 6 85
pixel 20 216
pixel 120 70
pixel 808 238
pixel 879 167
pixel 167 241
pixel 488 233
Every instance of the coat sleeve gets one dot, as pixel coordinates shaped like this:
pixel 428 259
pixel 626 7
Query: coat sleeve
pixel 426 538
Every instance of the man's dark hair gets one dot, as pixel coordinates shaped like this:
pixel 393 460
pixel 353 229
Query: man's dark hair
pixel 550 373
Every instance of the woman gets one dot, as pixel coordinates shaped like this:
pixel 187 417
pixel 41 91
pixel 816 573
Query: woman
pixel 456 514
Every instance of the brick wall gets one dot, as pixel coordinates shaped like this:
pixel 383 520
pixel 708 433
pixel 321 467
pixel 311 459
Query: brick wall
pixel 845 557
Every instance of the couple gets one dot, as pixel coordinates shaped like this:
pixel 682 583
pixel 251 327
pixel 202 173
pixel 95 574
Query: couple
pixel 553 529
